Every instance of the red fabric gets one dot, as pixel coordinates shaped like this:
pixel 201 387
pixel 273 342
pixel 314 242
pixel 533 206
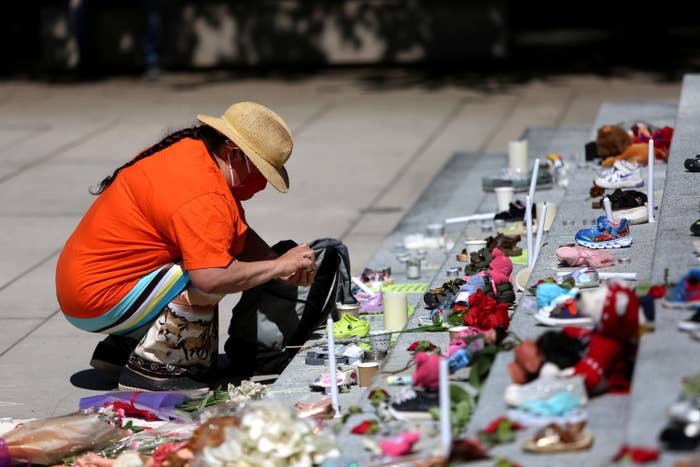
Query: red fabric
pixel 637 454
pixel 601 359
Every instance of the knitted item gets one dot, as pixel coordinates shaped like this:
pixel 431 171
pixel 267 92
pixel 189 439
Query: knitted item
pixel 500 267
pixel 575 255
pixel 427 374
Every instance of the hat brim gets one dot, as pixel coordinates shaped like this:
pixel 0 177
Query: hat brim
pixel 277 177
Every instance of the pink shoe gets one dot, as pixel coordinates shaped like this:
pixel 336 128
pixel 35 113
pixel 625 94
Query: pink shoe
pixel 370 303
pixel 575 255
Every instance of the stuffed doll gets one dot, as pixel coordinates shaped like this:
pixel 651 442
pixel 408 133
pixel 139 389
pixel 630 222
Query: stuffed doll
pixel 612 344
pixel 612 140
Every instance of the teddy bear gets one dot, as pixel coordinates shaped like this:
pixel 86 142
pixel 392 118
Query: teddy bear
pixel 612 140
pixel 612 344
pixel 638 152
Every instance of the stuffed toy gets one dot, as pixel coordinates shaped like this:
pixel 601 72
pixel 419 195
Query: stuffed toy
pixel 500 267
pixel 527 362
pixel 427 374
pixel 612 344
pixel 612 140
pixel 638 152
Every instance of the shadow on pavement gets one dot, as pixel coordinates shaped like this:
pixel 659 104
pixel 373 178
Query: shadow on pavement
pixel 93 380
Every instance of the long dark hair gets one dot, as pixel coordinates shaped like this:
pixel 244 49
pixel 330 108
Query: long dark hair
pixel 206 134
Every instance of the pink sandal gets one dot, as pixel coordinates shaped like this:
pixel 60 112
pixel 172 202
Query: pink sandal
pixel 575 255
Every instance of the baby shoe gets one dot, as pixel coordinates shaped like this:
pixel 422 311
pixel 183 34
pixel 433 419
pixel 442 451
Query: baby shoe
pixel 350 326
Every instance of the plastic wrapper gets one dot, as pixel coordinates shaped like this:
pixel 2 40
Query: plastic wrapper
pixel 145 442
pixel 49 440
pixel 148 405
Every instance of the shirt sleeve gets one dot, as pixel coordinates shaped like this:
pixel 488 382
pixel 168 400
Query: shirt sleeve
pixel 206 230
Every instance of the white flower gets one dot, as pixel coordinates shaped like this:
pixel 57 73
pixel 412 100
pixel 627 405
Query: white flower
pixel 270 435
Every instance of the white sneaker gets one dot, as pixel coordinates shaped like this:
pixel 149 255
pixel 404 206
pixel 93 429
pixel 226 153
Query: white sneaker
pixel 620 166
pixel 638 215
pixel 626 178
pixel 544 387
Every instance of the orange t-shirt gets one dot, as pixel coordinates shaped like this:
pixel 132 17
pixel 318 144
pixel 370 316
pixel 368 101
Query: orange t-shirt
pixel 173 205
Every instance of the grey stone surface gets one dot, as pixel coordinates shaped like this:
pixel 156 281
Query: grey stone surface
pixel 363 156
pixel 681 206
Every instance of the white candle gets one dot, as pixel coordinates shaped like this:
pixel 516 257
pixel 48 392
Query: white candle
pixel 528 227
pixel 540 230
pixel 395 310
pixel 650 177
pixel 445 422
pixel 517 157
pixel 608 208
pixel 361 285
pixel 473 217
pixel 533 180
pixel 332 369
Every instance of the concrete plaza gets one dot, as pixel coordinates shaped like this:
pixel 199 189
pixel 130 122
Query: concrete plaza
pixel 365 149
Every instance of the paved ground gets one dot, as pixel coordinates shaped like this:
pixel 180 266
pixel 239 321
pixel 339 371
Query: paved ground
pixel 365 150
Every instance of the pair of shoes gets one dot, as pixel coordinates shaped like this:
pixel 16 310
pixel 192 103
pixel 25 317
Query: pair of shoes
pixel 562 312
pixel 376 275
pixel 414 404
pixel 137 380
pixel 561 408
pixel 605 235
pixel 370 303
pixel 478 261
pixel 629 204
pixel 515 212
pixel 686 293
pixel 623 174
pixel 623 199
pixel 506 243
pixel 693 165
pixel 112 353
pixel 344 376
pixel 350 326
pixel 549 382
pixel 695 228
pixel 559 438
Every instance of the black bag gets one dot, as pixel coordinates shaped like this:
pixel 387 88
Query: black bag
pixel 274 315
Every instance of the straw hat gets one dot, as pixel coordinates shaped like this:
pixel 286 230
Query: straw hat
pixel 261 134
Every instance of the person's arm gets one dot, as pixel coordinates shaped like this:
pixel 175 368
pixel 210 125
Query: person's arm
pixel 297 265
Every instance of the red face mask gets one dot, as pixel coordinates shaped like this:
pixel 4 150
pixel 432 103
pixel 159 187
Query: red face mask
pixel 253 183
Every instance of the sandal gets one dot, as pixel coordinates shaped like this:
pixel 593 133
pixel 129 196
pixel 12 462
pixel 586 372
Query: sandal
pixel 350 326
pixel 463 256
pixel 693 165
pixel 557 438
pixel 344 376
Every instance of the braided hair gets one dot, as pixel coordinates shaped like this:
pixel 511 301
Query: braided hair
pixel 206 134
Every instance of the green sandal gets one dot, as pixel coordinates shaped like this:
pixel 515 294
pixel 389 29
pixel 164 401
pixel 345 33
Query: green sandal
pixel 350 326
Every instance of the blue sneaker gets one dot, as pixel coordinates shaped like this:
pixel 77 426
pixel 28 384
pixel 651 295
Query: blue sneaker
pixel 605 235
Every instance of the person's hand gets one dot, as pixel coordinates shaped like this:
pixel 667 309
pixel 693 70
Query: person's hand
pixel 298 265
